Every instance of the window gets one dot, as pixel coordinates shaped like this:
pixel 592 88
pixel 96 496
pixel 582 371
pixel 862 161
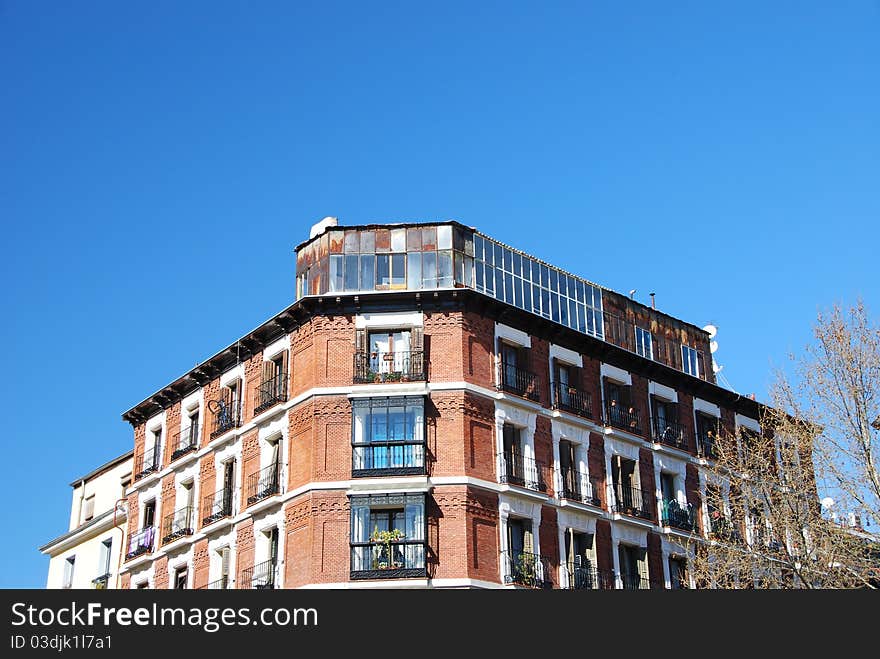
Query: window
pixel 149 514
pixel 388 536
pixel 522 565
pixel 388 436
pixel 69 563
pixel 104 557
pixel 580 560
pixel 620 412
pixel 633 567
pixel 226 409
pixel 627 490
pixel 515 376
pixel 89 508
pixel 643 343
pixel 689 361
pixel 180 578
pixel 389 355
pixel 707 433
pixel 192 434
pixel 678 577
pixel 273 383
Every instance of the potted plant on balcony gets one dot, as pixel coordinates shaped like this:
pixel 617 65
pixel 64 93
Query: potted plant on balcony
pixel 385 538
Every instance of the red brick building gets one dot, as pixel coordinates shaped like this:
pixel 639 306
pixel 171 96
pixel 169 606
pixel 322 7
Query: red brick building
pixel 436 409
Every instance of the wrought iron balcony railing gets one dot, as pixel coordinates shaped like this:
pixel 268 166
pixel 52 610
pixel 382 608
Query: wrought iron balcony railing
pixel 149 462
pixel 516 469
pixel 526 569
pixel 678 515
pixel 721 528
pixel 571 399
pixel 519 381
pixel 586 577
pixel 669 432
pixel 101 582
pixel 576 486
pixel 628 501
pixel 261 576
pixel 397 366
pixel 219 584
pixel 626 418
pixel 187 440
pixel 216 506
pixel 226 416
pixel 633 581
pixel 270 392
pixel 263 484
pixel 141 542
pixel 388 459
pixel 178 524
pixel 401 559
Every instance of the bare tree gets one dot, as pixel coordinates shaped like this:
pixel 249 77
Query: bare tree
pixel 765 523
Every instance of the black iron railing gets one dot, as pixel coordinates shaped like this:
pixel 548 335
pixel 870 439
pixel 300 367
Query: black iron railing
pixel 219 584
pixel 178 524
pixel 397 366
pixel 187 440
pixel 227 415
pixel 388 459
pixel 526 569
pixel 400 559
pixel 577 486
pixel 586 577
pixel 723 529
pixel 141 542
pixel 216 506
pixel 261 576
pixel 150 462
pixel 679 515
pixel 263 484
pixel 633 581
pixel 519 381
pixel 270 392
pixel 669 432
pixel 516 469
pixel 707 432
pixel 629 501
pixel 627 418
pixel 101 582
pixel 571 399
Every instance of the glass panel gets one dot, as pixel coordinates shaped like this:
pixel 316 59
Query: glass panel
pixel 368 272
pixel 398 240
pixel 490 253
pixel 527 296
pixel 478 273
pixel 458 264
pixel 352 270
pixel 468 243
pixel 351 242
pixel 383 240
pixel 554 280
pixel 499 284
pixel 444 237
pixel 429 239
pixel 545 276
pixel 545 303
pixel 498 255
pixel 572 314
pixel 508 288
pixel 478 247
pixel 413 239
pixel 563 311
pixel 383 274
pixel 580 291
pixel 398 270
pixel 444 268
pixel 429 270
pixel 336 238
pixel 490 280
pixel 468 274
pixel 517 264
pixel 517 292
pixel 508 260
pixel 563 285
pixel 335 273
pixel 414 270
pixel 368 242
pixel 581 321
pixel 554 302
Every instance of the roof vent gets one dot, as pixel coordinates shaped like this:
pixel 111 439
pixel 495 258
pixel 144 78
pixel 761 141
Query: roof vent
pixel 321 227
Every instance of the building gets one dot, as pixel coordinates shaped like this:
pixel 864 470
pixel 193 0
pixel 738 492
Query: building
pixel 88 555
pixel 436 409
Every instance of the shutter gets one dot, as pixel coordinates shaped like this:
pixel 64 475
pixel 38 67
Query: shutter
pixel 224 562
pixel 417 354
pixel 361 355
pixel 285 357
pixel 528 542
pixel 522 358
pixel 642 562
pixel 360 340
pixel 268 372
pixel 555 371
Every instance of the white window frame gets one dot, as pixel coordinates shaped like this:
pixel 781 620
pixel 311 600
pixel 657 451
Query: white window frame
pixel 640 334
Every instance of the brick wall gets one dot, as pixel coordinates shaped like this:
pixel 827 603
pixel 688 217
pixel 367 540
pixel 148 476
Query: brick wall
pixel 482 531
pixel 172 430
pixel 250 463
pixel 207 485
pixel 201 564
pixel 604 548
pixel 596 461
pixel 655 561
pixel 244 548
pixel 648 483
pixel 478 349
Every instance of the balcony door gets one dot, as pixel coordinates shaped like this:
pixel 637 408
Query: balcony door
pixel 513 455
pixel 228 484
pixel 568 468
pixel 390 351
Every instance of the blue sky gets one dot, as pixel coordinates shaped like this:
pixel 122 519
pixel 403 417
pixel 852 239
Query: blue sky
pixel 159 161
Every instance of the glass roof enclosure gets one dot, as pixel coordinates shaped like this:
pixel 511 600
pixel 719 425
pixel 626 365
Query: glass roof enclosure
pixel 433 256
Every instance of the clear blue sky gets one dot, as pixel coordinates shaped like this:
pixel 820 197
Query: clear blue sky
pixel 159 161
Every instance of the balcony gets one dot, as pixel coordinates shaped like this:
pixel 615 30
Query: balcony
pixel 628 501
pixel 627 419
pixel 400 559
pixel 576 486
pixel 101 583
pixel 679 516
pixel 585 577
pixel 261 576
pixel 141 543
pixel 216 506
pixel 270 392
pixel 526 569
pixel 219 584
pixel 397 366
pixel 391 458
pixel 634 582
pixel 227 415
pixel 519 381
pixel 516 469
pixel 669 433
pixel 705 444
pixel 263 484
pixel 573 400
pixel 187 440
pixel 149 462
pixel 722 529
pixel 178 524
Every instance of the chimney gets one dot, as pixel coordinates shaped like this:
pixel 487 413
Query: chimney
pixel 751 396
pixel 320 227
pixel 653 306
